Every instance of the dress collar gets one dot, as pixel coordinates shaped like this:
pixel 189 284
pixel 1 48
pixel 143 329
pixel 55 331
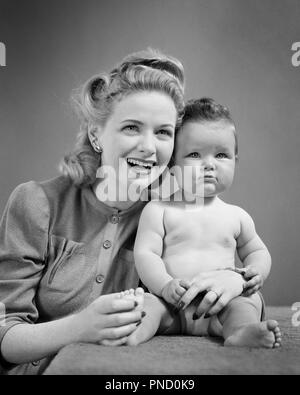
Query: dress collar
pixel 89 194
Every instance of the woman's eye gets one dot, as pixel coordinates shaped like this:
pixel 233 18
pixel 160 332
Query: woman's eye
pixel 130 128
pixel 193 155
pixel 165 132
pixel 221 155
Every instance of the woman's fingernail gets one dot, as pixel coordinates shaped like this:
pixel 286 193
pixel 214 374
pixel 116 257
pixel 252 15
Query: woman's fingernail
pixel 143 314
pixel 139 323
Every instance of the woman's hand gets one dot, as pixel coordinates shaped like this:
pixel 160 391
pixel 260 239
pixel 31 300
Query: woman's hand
pixel 109 320
pixel 219 286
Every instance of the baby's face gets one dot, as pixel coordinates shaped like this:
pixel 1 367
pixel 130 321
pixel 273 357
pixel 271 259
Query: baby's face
pixel 205 153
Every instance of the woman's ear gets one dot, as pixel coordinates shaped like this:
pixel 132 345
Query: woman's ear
pixel 93 133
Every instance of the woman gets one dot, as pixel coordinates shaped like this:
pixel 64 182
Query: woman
pixel 66 244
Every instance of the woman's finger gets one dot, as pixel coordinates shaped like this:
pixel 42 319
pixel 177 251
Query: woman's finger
pixel 112 303
pixel 114 343
pixel 121 319
pixel 190 294
pixel 207 302
pixel 219 305
pixel 117 333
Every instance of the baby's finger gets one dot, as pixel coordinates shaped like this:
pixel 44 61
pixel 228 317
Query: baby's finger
pixel 252 291
pixel 175 297
pixel 250 272
pixel 248 292
pixel 256 288
pixel 254 281
pixel 185 284
pixel 180 291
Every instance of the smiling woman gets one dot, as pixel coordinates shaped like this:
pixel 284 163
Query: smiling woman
pixel 61 281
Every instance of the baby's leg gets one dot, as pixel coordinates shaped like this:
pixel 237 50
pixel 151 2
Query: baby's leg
pixel 159 319
pixel 242 326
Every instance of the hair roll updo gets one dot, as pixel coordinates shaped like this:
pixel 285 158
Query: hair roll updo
pixel 148 70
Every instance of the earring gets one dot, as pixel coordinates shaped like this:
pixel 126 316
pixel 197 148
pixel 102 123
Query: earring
pixel 97 147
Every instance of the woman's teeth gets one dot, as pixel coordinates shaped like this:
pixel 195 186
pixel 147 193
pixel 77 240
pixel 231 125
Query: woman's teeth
pixel 136 162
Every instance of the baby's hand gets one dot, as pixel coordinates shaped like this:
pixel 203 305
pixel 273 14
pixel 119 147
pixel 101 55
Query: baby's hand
pixel 254 281
pixel 174 290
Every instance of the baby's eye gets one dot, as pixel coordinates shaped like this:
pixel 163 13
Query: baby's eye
pixel 221 155
pixel 195 155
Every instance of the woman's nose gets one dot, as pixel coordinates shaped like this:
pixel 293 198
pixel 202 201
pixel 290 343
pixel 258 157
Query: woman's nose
pixel 147 144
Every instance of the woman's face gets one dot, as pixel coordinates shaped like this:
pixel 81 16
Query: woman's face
pixel 138 139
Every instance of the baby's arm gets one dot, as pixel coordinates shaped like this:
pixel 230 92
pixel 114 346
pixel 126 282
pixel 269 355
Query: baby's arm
pixel 253 253
pixel 148 250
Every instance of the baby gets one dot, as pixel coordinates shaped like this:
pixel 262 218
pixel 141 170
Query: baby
pixel 195 231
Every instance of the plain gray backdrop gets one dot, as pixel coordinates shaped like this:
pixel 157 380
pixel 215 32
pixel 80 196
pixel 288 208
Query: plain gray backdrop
pixel 236 51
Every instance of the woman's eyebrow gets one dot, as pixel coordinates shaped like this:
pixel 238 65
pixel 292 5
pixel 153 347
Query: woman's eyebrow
pixel 166 125
pixel 133 120
pixel 142 123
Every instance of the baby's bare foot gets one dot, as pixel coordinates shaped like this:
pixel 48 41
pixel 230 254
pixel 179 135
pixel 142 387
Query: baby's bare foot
pixel 150 322
pixel 136 295
pixel 264 334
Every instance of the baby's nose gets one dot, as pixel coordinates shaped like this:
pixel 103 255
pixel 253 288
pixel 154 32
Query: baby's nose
pixel 208 164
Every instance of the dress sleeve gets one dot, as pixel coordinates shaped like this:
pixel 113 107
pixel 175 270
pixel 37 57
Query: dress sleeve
pixel 23 250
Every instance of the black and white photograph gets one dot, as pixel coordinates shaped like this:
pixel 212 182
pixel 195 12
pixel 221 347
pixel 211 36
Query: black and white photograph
pixel 149 190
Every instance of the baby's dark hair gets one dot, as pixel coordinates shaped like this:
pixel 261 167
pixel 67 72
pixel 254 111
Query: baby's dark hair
pixel 208 110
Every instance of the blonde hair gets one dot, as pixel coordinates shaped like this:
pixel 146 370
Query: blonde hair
pixel 148 70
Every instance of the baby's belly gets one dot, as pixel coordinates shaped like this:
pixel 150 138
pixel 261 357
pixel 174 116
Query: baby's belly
pixel 188 264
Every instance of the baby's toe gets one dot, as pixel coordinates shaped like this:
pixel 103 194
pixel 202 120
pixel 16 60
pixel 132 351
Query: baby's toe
pixel 272 325
pixel 139 297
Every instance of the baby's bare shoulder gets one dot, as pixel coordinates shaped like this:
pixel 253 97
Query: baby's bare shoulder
pixel 238 213
pixel 154 207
